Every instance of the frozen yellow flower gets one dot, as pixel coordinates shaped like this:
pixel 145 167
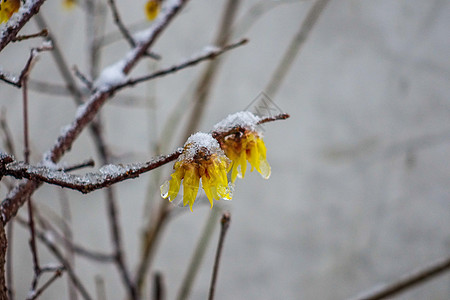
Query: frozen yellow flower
pixel 7 9
pixel 152 8
pixel 202 159
pixel 241 141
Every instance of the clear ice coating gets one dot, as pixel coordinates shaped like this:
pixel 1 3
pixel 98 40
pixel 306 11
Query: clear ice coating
pixel 165 189
pixel 265 169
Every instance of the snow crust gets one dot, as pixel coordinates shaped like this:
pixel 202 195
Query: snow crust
pixel 200 141
pixel 244 119
pixel 111 75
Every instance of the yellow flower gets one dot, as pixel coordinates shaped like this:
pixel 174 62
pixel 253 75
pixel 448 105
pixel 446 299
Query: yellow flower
pixel 202 159
pixel 69 4
pixel 241 141
pixel 7 9
pixel 152 8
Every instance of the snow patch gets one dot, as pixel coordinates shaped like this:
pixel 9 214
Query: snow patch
pixel 197 142
pixel 111 76
pixel 244 119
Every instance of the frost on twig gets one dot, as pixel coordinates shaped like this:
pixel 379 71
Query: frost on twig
pixel 111 174
pixel 106 176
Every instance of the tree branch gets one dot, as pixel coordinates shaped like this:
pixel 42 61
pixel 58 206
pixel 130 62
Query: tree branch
pixel 84 115
pixel 407 282
pixel 9 33
pixel 89 182
pixel 225 223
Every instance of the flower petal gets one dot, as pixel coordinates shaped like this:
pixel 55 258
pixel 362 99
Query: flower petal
pixel 191 182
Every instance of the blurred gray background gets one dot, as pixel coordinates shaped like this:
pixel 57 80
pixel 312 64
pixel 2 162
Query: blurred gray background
pixel 359 192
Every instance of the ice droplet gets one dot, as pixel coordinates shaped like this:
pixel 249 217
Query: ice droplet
pixel 265 169
pixel 165 189
pixel 230 191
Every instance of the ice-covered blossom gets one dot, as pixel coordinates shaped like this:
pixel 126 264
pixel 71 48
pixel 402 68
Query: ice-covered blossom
pixel 152 8
pixel 240 139
pixel 202 159
pixel 7 9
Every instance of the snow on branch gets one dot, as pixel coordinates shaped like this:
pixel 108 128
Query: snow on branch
pixel 17 81
pixel 210 53
pixel 28 10
pixel 106 176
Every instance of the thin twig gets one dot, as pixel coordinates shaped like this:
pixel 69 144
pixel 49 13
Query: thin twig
pixel 9 262
pixel 60 61
pixel 117 241
pixel 58 254
pixel 89 85
pixel 84 164
pixel 254 13
pixel 18 81
pixel 283 116
pixel 225 224
pixel 159 289
pixel 118 21
pixel 77 249
pixel 8 142
pixel 48 88
pixel 68 234
pixel 42 33
pixel 26 150
pixel 408 282
pixel 189 63
pixel 294 47
pixel 206 80
pixel 124 31
pixel 198 255
pixel 55 276
pixel 151 237
pixel 34 252
pixel 150 37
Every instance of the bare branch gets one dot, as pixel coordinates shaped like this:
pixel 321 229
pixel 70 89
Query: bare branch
pixel 126 34
pixel 207 77
pixel 211 54
pixel 84 164
pixel 58 254
pixel 19 81
pixel 159 289
pixel 61 62
pixel 77 249
pixel 283 116
pixel 55 276
pixel 83 78
pixel 408 282
pixel 198 255
pixel 225 223
pixel 42 33
pixel 85 114
pixel 150 36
